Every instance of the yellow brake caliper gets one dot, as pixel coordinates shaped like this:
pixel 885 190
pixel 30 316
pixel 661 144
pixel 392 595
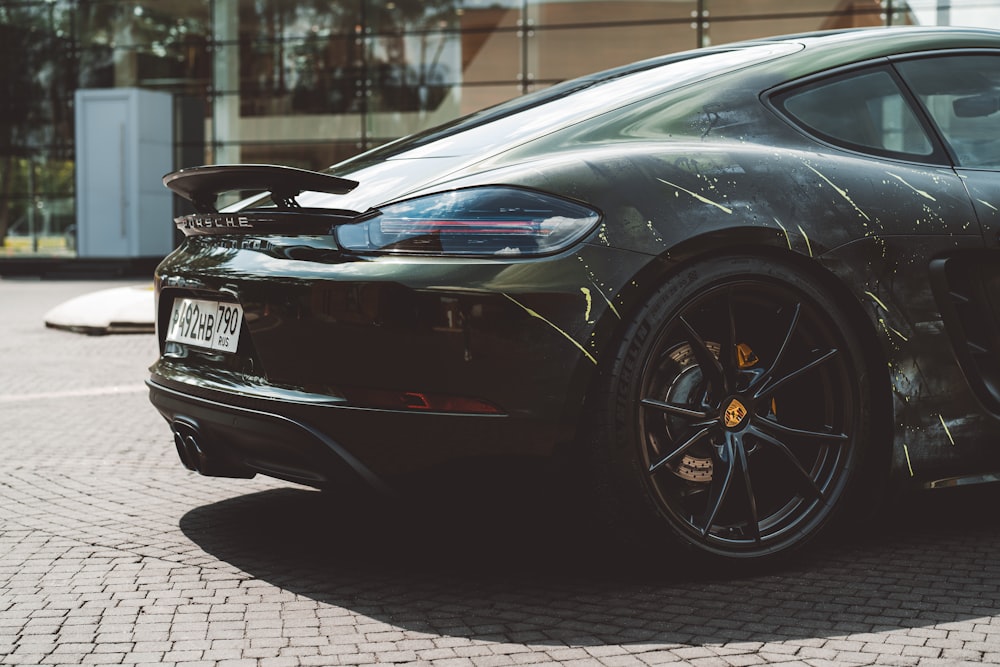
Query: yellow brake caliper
pixel 747 359
pixel 745 356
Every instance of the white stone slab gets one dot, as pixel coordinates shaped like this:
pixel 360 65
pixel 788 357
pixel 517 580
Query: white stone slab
pixel 129 309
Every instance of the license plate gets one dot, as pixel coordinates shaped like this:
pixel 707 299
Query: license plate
pixel 213 325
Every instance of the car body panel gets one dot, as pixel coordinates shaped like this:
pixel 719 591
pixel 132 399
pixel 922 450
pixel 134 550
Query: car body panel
pixel 444 328
pixel 872 224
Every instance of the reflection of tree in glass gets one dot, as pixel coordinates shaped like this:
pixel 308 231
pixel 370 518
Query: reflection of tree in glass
pixel 310 57
pixel 35 114
pixel 298 56
pixel 415 83
pixel 156 45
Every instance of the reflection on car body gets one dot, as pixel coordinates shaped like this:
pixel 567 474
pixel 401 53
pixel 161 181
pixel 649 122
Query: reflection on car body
pixel 747 285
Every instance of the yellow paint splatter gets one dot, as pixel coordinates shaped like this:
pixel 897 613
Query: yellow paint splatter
pixel 920 192
pixel 842 193
pixel 787 240
pixel 652 230
pixel 906 451
pixel 594 281
pixel 697 196
pixel 603 235
pixel 590 302
pixel 808 245
pixel 946 431
pixel 564 334
pixel 892 329
pixel 877 300
pixel 608 301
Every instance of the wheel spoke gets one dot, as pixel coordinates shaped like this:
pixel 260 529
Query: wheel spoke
pixel 680 449
pixel 780 430
pixel 808 482
pixel 771 387
pixel 763 379
pixel 710 366
pixel 744 465
pixel 717 495
pixel 727 354
pixel 679 410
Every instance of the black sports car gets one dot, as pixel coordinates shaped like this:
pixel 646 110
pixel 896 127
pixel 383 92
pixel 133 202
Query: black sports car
pixel 745 285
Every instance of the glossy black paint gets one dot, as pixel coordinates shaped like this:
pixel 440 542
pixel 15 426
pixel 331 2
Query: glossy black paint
pixel 201 185
pixel 683 167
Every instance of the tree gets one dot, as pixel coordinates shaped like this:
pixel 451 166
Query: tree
pixel 34 112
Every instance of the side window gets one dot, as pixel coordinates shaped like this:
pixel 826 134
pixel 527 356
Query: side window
pixel 962 95
pixel 863 111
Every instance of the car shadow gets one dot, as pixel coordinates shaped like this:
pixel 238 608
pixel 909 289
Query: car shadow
pixel 507 559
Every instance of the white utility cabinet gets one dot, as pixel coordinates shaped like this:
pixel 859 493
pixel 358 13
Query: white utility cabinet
pixel 124 146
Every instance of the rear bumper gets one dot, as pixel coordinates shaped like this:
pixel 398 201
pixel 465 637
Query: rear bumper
pixel 227 440
pixel 227 434
pixel 503 351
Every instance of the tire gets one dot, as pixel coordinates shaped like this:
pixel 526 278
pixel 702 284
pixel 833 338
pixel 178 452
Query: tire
pixel 735 417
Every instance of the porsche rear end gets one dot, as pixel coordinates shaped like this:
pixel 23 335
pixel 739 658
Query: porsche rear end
pixel 327 346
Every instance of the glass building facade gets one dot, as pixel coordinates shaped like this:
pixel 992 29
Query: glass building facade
pixel 308 83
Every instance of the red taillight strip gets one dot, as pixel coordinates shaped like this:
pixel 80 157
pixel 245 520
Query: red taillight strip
pixel 512 227
pixel 419 402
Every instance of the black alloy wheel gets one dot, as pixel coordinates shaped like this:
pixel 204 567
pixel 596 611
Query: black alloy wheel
pixel 741 408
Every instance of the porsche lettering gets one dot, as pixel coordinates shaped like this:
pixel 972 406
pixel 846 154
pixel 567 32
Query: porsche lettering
pixel 201 221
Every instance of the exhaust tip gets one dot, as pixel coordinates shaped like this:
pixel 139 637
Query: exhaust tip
pixel 200 454
pixel 186 440
pixel 182 451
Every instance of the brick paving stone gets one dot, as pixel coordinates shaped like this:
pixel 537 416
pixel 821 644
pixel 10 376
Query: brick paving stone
pixel 894 660
pixel 621 661
pixel 437 654
pixel 477 650
pixel 658 658
pixel 537 659
pixel 961 654
pixel 693 653
pixel 454 662
pixel 714 661
pixel 490 660
pixel 779 658
pixel 603 651
pixel 743 660
pixel 886 648
pixel 278 662
pixel 950 644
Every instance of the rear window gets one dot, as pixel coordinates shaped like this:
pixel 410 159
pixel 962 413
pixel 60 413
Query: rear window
pixel 864 110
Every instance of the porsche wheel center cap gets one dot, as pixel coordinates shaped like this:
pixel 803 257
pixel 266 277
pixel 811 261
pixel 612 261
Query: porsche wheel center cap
pixel 735 413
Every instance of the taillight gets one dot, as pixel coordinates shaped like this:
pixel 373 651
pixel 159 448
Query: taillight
pixel 483 221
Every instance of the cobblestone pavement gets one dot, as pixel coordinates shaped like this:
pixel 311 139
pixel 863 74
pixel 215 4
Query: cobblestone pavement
pixel 112 553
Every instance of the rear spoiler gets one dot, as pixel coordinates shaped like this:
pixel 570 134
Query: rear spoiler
pixel 201 185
